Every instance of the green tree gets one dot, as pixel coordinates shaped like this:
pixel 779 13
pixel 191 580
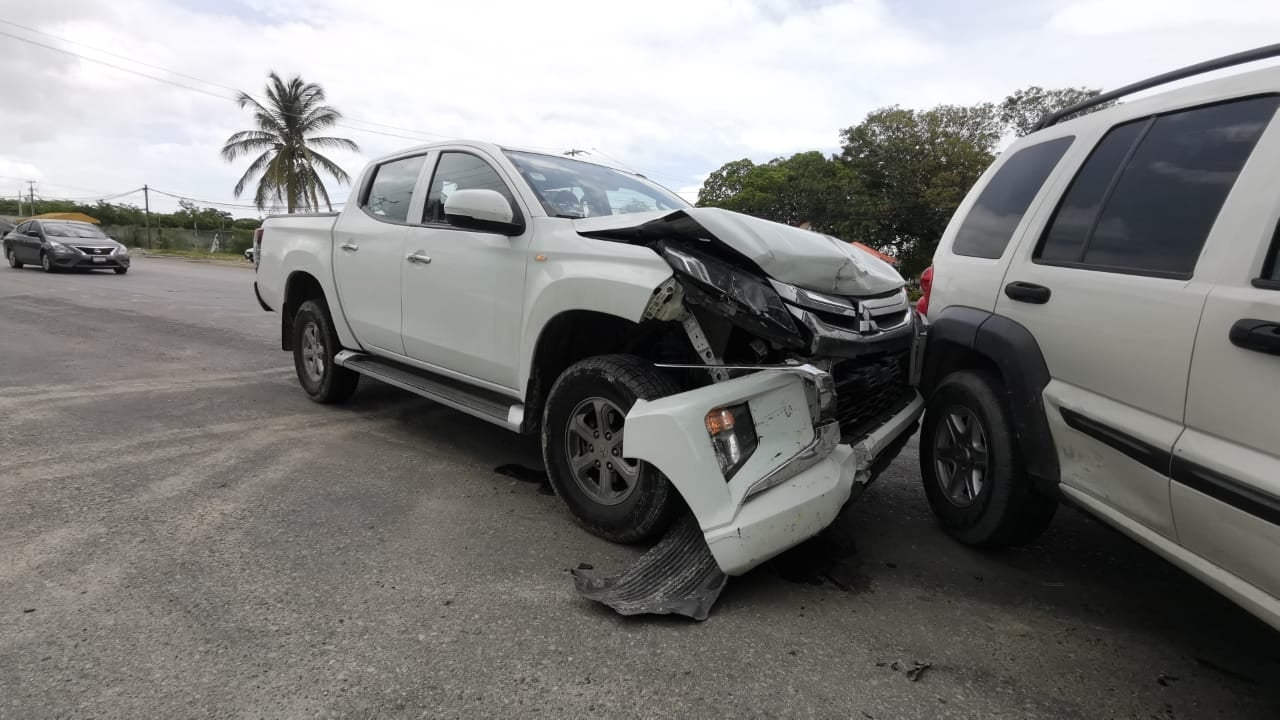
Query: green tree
pixel 1023 109
pixel 289 166
pixel 913 168
pixel 725 183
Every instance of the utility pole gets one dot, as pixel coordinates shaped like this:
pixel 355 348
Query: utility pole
pixel 31 188
pixel 146 202
pixel 20 215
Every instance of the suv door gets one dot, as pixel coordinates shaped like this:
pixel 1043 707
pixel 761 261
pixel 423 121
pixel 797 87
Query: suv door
pixel 367 258
pixel 464 294
pixel 1110 293
pixel 1226 466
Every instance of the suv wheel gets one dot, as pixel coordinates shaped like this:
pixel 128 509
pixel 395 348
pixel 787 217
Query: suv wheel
pixel 13 259
pixel 972 471
pixel 616 498
pixel 314 345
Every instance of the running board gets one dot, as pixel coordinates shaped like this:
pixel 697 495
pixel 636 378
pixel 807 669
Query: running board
pixel 446 391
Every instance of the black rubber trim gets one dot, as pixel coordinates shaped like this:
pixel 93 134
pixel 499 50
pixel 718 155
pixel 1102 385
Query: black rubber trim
pixel 259 296
pixel 1226 489
pixel 1015 352
pixel 1139 450
pixel 1223 488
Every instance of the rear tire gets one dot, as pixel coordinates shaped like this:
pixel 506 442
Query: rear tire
pixel 14 262
pixel 617 499
pixel 972 468
pixel 315 343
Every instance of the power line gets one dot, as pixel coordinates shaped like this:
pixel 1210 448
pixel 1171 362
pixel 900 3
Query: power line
pixel 234 91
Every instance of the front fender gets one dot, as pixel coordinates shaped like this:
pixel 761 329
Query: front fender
pixel 587 274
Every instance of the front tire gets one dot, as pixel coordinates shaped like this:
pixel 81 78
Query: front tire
pixel 972 469
pixel 46 263
pixel 618 499
pixel 14 262
pixel 315 343
pixel 121 270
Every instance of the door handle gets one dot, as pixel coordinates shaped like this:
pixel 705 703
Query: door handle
pixel 1257 335
pixel 1027 292
pixel 349 247
pixel 418 257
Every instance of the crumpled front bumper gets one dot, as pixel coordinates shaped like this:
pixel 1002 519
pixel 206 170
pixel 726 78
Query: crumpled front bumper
pixel 792 486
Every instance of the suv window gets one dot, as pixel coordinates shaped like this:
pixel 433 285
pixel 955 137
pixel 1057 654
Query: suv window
pixel 461 171
pixel 988 227
pixel 392 188
pixel 1147 208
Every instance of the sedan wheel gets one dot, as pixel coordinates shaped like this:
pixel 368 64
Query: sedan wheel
pixel 46 263
pixel 13 259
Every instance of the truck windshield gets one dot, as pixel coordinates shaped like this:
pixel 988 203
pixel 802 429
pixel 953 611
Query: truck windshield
pixel 575 189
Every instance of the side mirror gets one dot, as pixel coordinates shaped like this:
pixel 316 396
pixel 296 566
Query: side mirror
pixel 481 209
pixel 33 233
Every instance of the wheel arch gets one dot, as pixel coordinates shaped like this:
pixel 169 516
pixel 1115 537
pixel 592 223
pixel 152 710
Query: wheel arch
pixel 968 338
pixel 300 287
pixel 575 335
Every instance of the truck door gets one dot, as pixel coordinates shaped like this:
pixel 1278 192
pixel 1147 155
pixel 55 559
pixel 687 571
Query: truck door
pixel 367 254
pixel 463 291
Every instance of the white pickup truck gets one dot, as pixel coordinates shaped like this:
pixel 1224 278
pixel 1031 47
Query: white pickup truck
pixel 671 358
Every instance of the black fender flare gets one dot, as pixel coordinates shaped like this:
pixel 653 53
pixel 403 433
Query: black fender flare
pixel 1013 350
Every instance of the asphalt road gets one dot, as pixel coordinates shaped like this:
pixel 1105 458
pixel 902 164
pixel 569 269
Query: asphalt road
pixel 184 534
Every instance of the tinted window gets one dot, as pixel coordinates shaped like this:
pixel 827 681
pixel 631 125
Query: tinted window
pixel 999 208
pixel 392 188
pixel 1271 268
pixel 1064 241
pixel 22 228
pixel 1160 208
pixel 461 171
pixel 1171 191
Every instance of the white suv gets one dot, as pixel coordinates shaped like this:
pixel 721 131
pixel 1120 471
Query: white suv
pixel 1104 317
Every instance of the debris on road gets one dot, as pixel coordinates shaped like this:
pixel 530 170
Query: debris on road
pixel 678 576
pixel 914 672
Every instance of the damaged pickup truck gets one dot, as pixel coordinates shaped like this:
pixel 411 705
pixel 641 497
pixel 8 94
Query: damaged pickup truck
pixel 674 360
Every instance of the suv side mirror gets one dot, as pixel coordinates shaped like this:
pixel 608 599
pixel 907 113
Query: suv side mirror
pixel 481 209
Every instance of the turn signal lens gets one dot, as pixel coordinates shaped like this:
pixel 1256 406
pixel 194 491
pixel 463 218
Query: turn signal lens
pixel 733 436
pixel 719 421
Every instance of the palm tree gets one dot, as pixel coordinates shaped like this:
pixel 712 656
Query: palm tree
pixel 290 162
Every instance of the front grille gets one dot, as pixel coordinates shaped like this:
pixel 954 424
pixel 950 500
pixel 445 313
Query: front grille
pixel 869 390
pixel 94 250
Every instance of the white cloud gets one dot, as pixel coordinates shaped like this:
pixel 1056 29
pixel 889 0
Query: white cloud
pixel 673 88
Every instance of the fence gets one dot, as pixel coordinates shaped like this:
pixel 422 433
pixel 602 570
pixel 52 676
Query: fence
pixel 168 238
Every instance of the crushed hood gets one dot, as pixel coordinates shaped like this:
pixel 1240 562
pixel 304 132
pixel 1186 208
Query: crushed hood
pixel 802 258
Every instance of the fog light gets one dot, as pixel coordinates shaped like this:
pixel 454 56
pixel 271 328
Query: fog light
pixel 733 435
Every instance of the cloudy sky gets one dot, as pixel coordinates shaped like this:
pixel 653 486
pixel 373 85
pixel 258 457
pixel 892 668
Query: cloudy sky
pixel 672 88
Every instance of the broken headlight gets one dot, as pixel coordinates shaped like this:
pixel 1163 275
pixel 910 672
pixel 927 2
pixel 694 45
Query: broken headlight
pixel 733 435
pixel 735 294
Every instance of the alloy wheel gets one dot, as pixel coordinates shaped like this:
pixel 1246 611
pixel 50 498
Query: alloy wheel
pixel 961 456
pixel 593 444
pixel 313 355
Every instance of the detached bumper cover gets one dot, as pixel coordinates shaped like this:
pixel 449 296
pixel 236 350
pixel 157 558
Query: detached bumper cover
pixel 791 487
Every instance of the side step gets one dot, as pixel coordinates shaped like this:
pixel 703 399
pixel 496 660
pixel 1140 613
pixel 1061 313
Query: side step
pixel 446 391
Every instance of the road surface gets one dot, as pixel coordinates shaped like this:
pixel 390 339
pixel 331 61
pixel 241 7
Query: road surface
pixel 184 534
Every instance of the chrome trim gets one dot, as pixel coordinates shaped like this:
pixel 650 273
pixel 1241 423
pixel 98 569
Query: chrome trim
pixel 820 388
pixel 446 372
pixel 829 341
pixel 825 439
pixel 515 414
pixel 815 300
